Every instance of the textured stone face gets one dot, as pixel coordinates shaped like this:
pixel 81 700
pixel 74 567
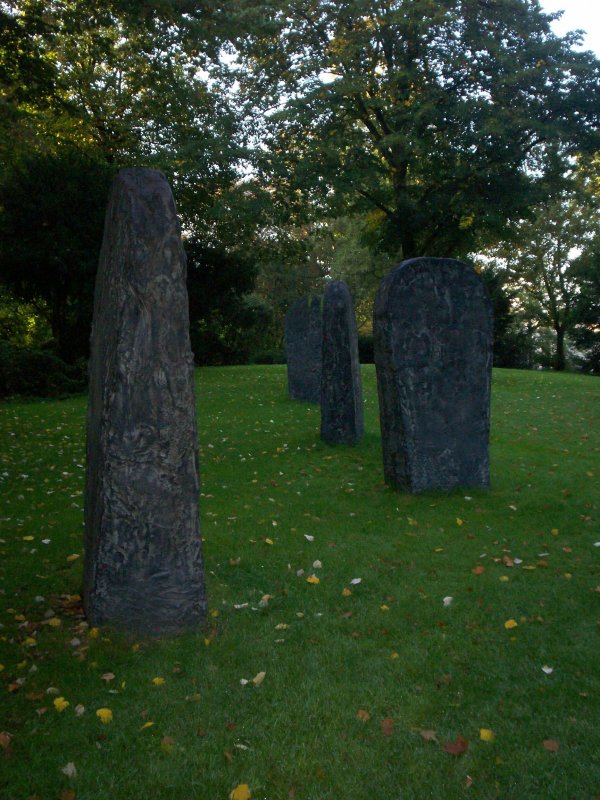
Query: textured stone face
pixel 432 330
pixel 303 344
pixel 341 390
pixel 143 560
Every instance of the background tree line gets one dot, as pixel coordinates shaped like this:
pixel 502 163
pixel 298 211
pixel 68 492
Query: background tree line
pixel 303 139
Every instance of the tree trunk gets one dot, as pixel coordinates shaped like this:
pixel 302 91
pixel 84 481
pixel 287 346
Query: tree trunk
pixel 559 356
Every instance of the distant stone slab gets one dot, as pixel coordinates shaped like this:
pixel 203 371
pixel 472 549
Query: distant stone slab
pixel 303 345
pixel 432 330
pixel 143 559
pixel 341 389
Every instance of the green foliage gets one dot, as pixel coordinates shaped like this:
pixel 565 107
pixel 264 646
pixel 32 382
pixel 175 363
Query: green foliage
pixel 429 112
pixel 33 372
pixel 451 669
pixel 545 256
pixel 51 222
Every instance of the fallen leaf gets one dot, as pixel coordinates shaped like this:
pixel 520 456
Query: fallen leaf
pixel 70 770
pixel 167 743
pixel 79 710
pixel 105 715
pixel 363 715
pixel 5 739
pixel 258 678
pixel 355 581
pixel 478 570
pixel 158 681
pixel 309 538
pixel 428 735
pixel 447 601
pixel 548 670
pixel 460 521
pixel 387 726
pixel 313 579
pixel 54 622
pixel 60 703
pixel 457 748
pixel 268 541
pixel 551 745
pixel 486 735
pixel 317 564
pixel 67 794
pixel 346 592
pixel 510 623
pixel 241 792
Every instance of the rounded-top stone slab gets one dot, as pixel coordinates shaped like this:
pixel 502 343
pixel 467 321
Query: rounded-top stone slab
pixel 432 328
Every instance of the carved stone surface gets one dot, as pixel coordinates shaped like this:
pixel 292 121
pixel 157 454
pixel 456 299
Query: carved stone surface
pixel 303 344
pixel 341 390
pixel 432 330
pixel 143 558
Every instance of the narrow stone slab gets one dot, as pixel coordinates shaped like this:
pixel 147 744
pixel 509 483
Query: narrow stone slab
pixel 341 388
pixel 432 328
pixel 303 345
pixel 143 559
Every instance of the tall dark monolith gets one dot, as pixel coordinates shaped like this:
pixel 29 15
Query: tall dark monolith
pixel 432 328
pixel 143 558
pixel 341 391
pixel 303 344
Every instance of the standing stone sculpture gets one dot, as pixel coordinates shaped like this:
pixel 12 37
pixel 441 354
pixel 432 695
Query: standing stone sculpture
pixel 432 330
pixel 341 390
pixel 303 344
pixel 143 558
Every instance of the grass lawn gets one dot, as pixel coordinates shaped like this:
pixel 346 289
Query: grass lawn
pixel 374 690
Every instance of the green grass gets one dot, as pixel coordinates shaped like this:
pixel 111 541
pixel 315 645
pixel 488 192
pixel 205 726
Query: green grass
pixel 391 648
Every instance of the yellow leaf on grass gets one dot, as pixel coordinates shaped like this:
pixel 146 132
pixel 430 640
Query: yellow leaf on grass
pixel 54 622
pixel 346 592
pixel 147 725
pixel 241 792
pixel 105 715
pixel 158 681
pixel 60 703
pixel 29 641
pixel 313 579
pixel 460 521
pixel 363 715
pixel 258 678
pixel 486 735
pixel 504 578
pixel 510 623
pixel 384 607
pixel 94 633
pixel 28 538
pixel 268 541
pixel 73 557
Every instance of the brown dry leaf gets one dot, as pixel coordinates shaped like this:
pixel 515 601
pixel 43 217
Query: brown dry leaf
pixel 551 745
pixel 387 726
pixel 456 748
pixel 507 561
pixel 478 570
pixel 429 736
pixel 258 678
pixel 228 755
pixel 68 794
pixel 5 739
pixel 363 715
pixel 167 743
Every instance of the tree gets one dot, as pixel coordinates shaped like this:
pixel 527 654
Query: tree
pixel 51 226
pixel 429 112
pixel 548 259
